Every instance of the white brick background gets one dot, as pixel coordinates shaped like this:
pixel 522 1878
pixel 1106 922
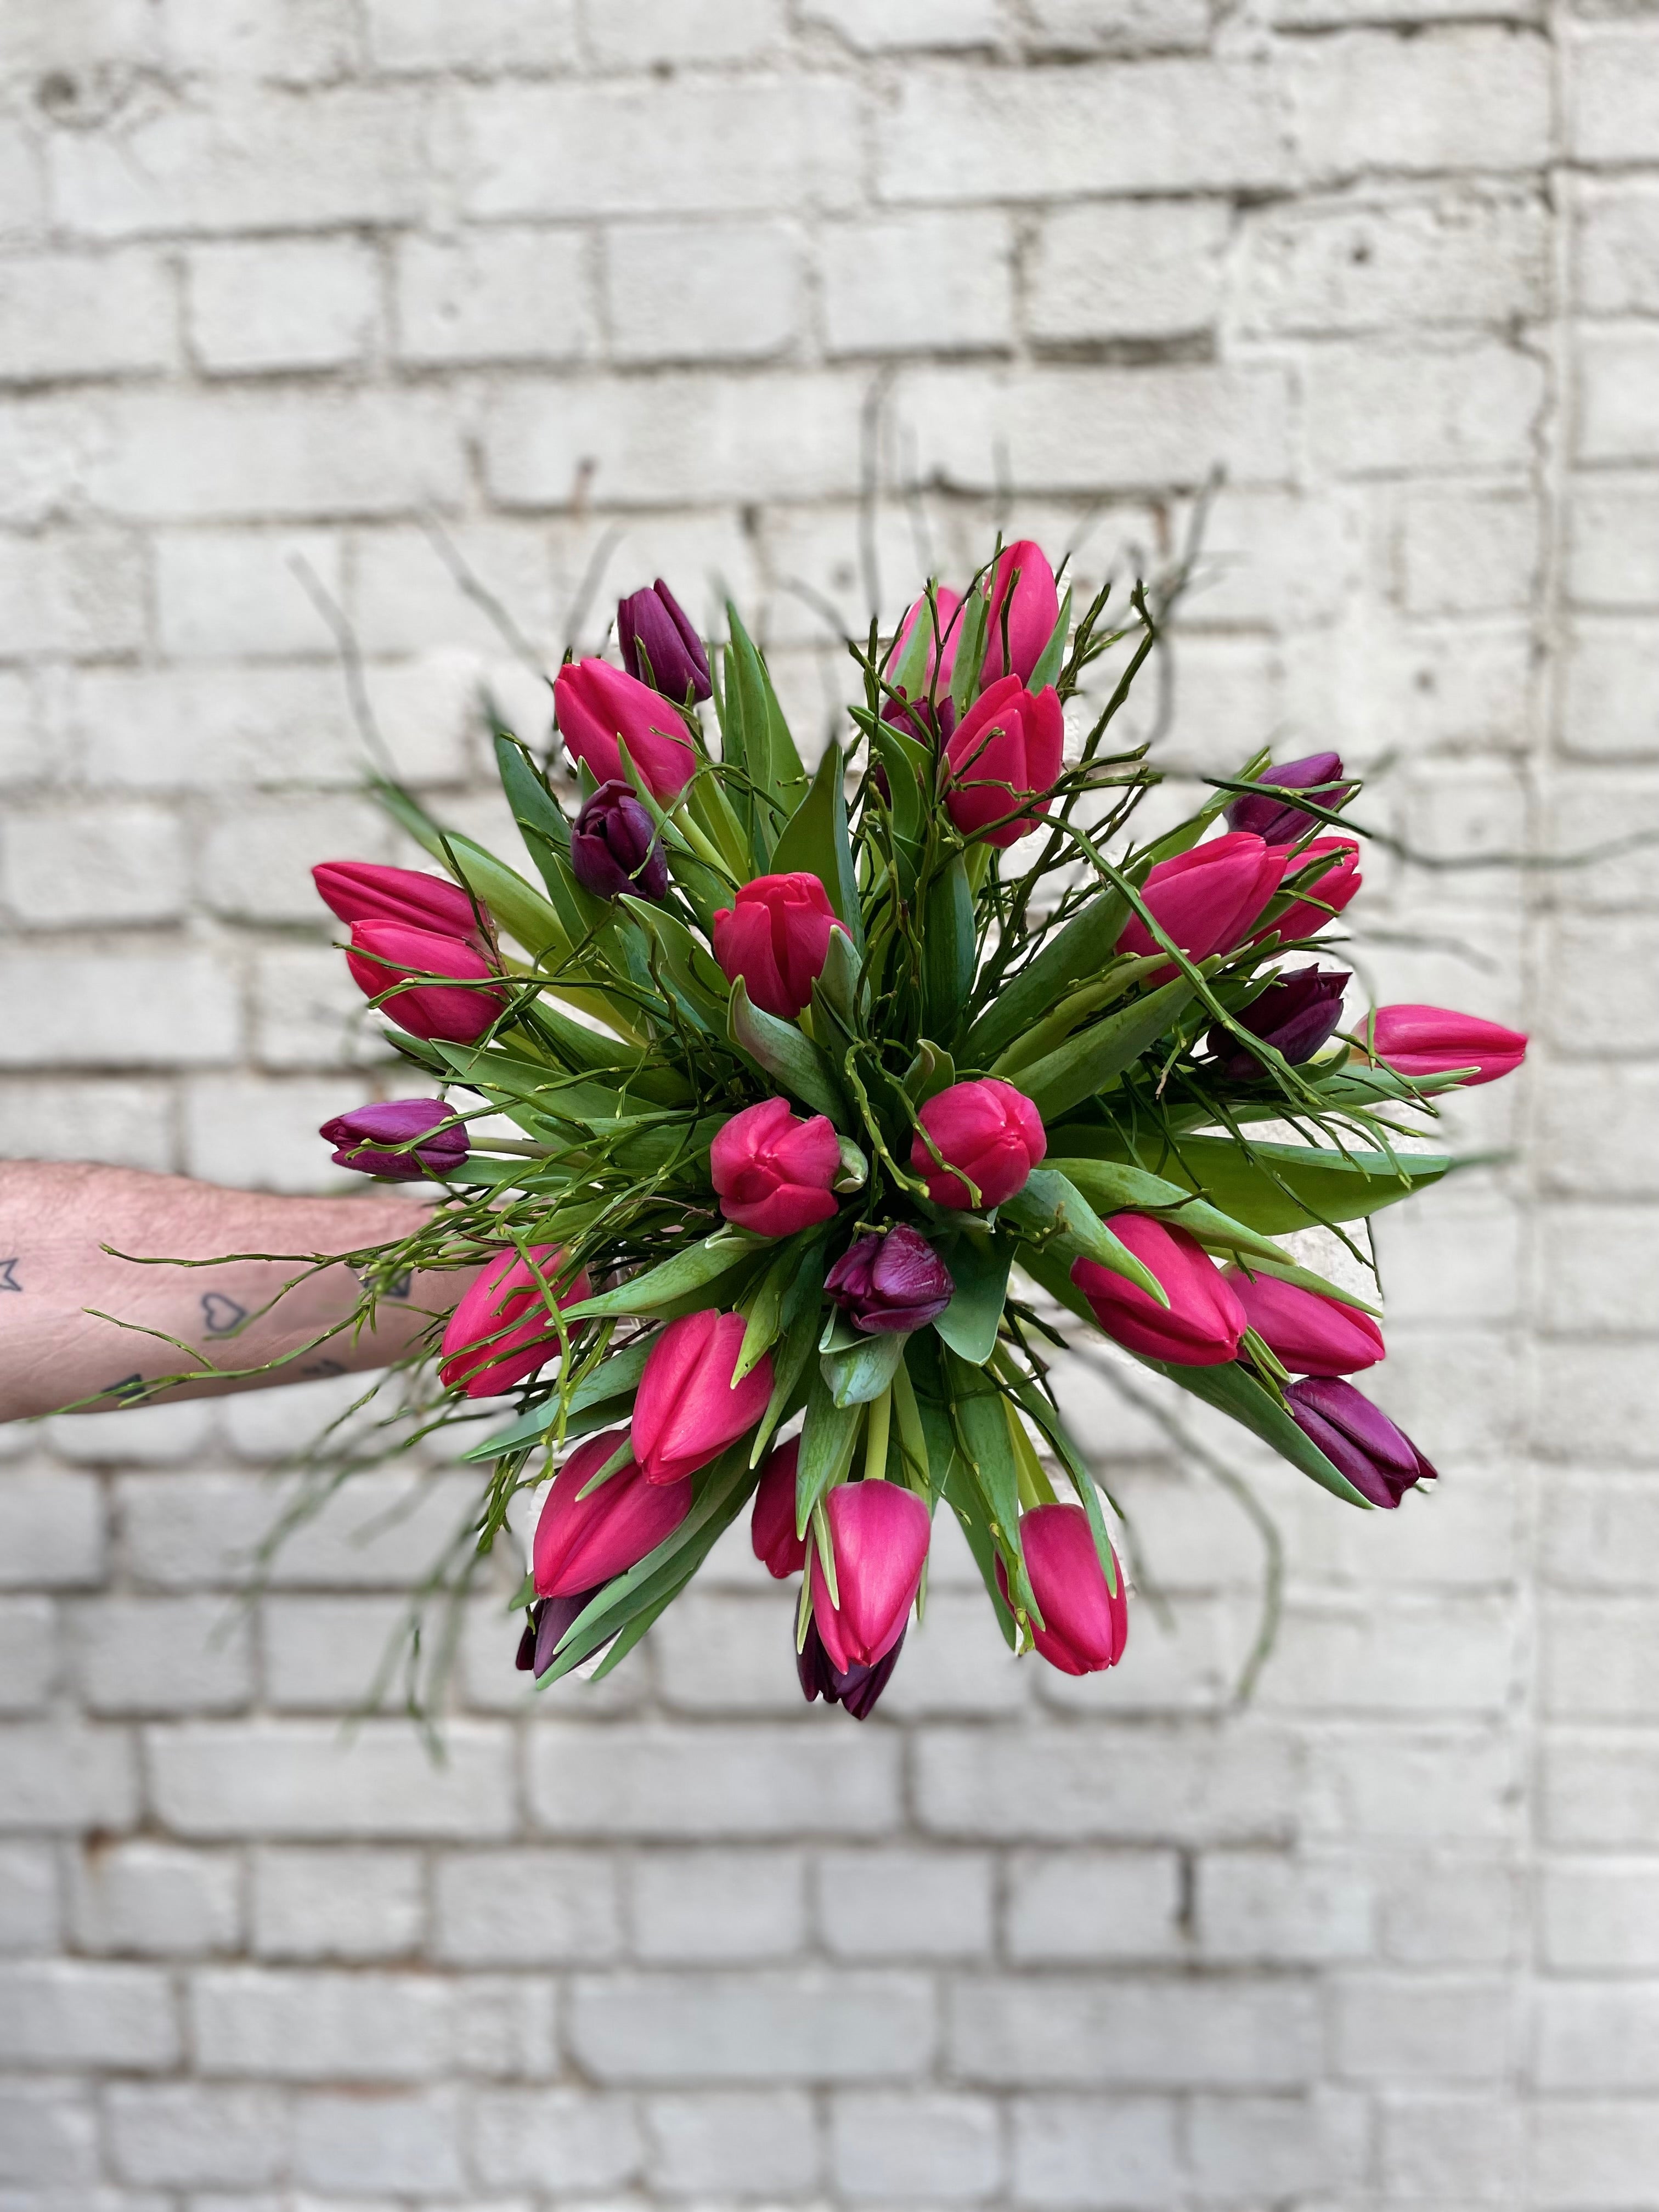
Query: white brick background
pixel 285 280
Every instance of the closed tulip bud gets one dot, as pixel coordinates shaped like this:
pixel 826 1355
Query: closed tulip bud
pixel 1381 1461
pixel 1004 756
pixel 1085 1623
pixel 776 937
pixel 1274 820
pixel 1206 900
pixel 1417 1041
pixel 1024 596
pixel 772 1525
pixel 880 1533
pixel 772 1172
pixel 550 1617
pixel 499 1332
pixel 890 1285
pixel 1326 894
pixel 855 1688
pixel 581 1542
pixel 689 1409
pixel 449 1002
pixel 596 704
pixel 363 890
pixel 1296 1015
pixel 363 1136
pixel 660 647
pixel 1307 1332
pixel 616 847
pixel 1203 1322
pixel 943 625
pixel 929 721
pixel 989 1132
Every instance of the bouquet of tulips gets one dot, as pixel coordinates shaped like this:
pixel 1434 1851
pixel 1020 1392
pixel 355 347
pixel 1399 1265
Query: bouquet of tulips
pixel 844 1096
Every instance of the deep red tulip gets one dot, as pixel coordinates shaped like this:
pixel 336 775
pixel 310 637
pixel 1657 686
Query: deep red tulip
pixel 985 1129
pixel 1004 753
pixel 772 1171
pixel 879 1531
pixel 1203 1322
pixel 500 1331
pixel 776 937
pixel 891 1284
pixel 1276 819
pixel 856 1689
pixel 1308 1333
pixel 943 641
pixel 1206 900
pixel 689 1409
pixel 364 1135
pixel 660 646
pixel 1381 1461
pixel 1434 1041
pixel 363 890
pixel 596 704
pixel 1024 583
pixel 453 1009
pixel 581 1542
pixel 1085 1625
pixel 772 1525
pixel 1330 892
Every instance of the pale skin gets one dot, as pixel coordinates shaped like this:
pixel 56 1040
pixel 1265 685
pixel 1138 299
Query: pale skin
pixel 56 1278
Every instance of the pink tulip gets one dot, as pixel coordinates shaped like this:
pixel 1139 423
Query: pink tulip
pixel 1003 754
pixel 1306 915
pixel 1434 1041
pixel 772 1526
pixel 1033 610
pixel 772 1171
pixel 942 647
pixel 987 1130
pixel 1085 1625
pixel 363 890
pixel 580 1542
pixel 1203 1322
pixel 1308 1332
pixel 879 1532
pixel 689 1409
pixel 1206 900
pixel 776 937
pixel 500 1331
pixel 596 704
pixel 384 952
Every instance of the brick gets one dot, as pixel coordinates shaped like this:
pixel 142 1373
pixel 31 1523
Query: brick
pixel 66 1775
pixel 80 594
pixel 71 315
pixel 1598 2036
pixel 51 1530
pixel 1417 1785
pixel 506 294
pixel 1587 1007
pixel 739 2142
pixel 1613 818
pixel 403 595
pixel 173 729
pixel 804 2026
pixel 1041 2031
pixel 526 1908
pixel 1278 2145
pixel 141 1435
pixel 1607 2148
pixel 1600 1916
pixel 1255 1905
pixel 559 2139
pixel 1472 98
pixel 1399 2028
pixel 1595 1530
pixel 683 31
pixel 1127 26
pixel 28 1898
pixel 702 291
pixel 28 1653
pixel 1599 1787
pixel 1599 1276
pixel 1075 2153
pixel 1594 1402
pixel 896 1903
pixel 85 32
pixel 425 34
pixel 1450 1914
pixel 729 1653
pixel 63 2013
pixel 1611 706
pixel 301 2027
pixel 868 28
pixel 1595 1650
pixel 1613 110
pixel 297 1779
pixel 937 2148
pixel 48 2135
pixel 1424 1662
pixel 936 282
pixel 235 593
pixel 112 1010
pixel 156 1898
pixel 127 1124
pixel 119 864
pixel 1617 263
pixel 1372 410
pixel 1093 1905
pixel 354 2143
pixel 194 2135
pixel 1618 414
pixel 709 1782
pixel 246 1131
pixel 288 303
pixel 256 860
pixel 1469 553
pixel 334 1902
pixel 717 1905
pixel 326 1654
pixel 1128 269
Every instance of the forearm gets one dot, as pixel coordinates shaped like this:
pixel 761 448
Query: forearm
pixel 282 1318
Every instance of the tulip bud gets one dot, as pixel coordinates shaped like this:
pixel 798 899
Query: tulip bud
pixel 1023 586
pixel 550 1617
pixel 1296 1015
pixel 499 1333
pixel 855 1688
pixel 363 890
pixel 929 721
pixel 776 937
pixel 1381 1461
pixel 1307 1332
pixel 660 647
pixel 987 1131
pixel 1330 891
pixel 880 1533
pixel 1203 1322
pixel 616 847
pixel 1004 755
pixel 772 1172
pixel 596 704
pixel 944 630
pixel 1207 899
pixel 689 1409
pixel 772 1526
pixel 1417 1041
pixel 1277 822
pixel 363 1134
pixel 384 953
pixel 1085 1625
pixel 890 1285
pixel 581 1542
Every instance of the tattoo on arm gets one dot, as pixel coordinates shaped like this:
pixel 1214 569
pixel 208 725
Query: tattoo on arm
pixel 323 1367
pixel 130 1386
pixel 223 1316
pixel 9 1275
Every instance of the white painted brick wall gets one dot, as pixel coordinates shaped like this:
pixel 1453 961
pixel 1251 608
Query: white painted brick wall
pixel 284 280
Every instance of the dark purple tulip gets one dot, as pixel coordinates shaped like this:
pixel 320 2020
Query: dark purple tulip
pixel 550 1617
pixel 891 1284
pixel 1381 1461
pixel 1276 823
pixel 1296 1016
pixel 931 722
pixel 362 1135
pixel 858 1689
pixel 615 846
pixel 660 647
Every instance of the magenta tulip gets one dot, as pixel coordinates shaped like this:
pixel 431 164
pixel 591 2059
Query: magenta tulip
pixel 596 704
pixel 1417 1041
pixel 1003 757
pixel 1024 585
pixel 772 1525
pixel 773 1171
pixel 890 1285
pixel 880 1533
pixel 363 890
pixel 1203 1322
pixel 776 937
pixel 944 634
pixel 986 1130
pixel 1275 819
pixel 446 1002
pixel 378 1139
pixel 499 1332
pixel 689 1409
pixel 1085 1625
pixel 1306 1332
pixel 581 1542
pixel 1206 900
pixel 1329 894
pixel 1381 1461
pixel 660 646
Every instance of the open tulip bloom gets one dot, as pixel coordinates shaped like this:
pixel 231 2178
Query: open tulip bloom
pixel 788 1114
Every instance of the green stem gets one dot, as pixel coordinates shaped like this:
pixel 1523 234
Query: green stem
pixel 875 1436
